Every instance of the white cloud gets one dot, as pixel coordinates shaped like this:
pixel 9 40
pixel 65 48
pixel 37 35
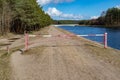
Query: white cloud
pixel 94 17
pixel 60 1
pixel 118 6
pixel 44 2
pixel 71 16
pixel 53 12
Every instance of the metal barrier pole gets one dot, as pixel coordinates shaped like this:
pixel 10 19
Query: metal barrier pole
pixel 105 40
pixel 8 49
pixel 26 41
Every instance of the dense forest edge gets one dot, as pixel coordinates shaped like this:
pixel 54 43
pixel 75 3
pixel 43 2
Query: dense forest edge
pixel 17 16
pixel 109 18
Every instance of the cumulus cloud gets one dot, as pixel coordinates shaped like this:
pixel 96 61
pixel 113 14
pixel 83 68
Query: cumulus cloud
pixel 53 12
pixel 118 6
pixel 94 17
pixel 44 2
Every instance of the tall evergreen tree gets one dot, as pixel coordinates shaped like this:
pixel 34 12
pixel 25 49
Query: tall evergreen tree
pixel 20 15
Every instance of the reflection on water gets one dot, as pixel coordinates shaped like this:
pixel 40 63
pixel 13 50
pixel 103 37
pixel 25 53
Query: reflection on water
pixel 113 33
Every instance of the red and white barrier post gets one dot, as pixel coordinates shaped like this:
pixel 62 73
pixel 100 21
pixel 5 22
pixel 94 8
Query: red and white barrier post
pixel 26 41
pixel 8 49
pixel 105 40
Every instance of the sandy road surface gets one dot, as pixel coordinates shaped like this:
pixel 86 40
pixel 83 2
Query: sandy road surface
pixel 61 59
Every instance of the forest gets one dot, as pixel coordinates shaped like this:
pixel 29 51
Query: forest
pixel 17 16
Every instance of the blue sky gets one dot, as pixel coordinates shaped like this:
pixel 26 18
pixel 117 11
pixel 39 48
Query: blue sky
pixel 77 9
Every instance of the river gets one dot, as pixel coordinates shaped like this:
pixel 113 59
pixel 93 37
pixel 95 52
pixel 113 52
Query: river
pixel 113 33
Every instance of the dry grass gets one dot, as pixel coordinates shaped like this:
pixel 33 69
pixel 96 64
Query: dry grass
pixel 5 44
pixel 42 31
pixel 5 70
pixel 2 52
pixel 8 35
pixel 35 51
pixel 109 55
pixel 14 39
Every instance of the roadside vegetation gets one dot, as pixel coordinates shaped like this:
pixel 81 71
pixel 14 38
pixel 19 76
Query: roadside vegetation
pixel 5 70
pixel 19 15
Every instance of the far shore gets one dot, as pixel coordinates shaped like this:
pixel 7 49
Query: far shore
pixel 102 26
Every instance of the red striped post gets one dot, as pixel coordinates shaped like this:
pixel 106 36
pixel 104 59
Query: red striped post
pixel 8 49
pixel 26 41
pixel 105 40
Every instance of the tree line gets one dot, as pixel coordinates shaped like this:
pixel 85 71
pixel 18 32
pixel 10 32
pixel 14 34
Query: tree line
pixel 66 21
pixel 109 18
pixel 20 15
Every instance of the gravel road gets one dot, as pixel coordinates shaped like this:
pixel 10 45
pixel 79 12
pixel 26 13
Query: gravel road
pixel 61 59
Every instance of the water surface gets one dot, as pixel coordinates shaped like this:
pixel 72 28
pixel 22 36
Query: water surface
pixel 113 34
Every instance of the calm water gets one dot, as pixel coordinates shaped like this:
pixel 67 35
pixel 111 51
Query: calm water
pixel 113 34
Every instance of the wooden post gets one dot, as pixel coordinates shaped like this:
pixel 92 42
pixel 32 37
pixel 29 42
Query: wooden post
pixel 105 40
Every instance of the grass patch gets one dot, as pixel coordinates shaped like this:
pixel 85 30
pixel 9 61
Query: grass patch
pixel 42 31
pixel 13 38
pixel 16 49
pixel 5 44
pixel 36 50
pixel 8 35
pixel 5 69
pixel 108 55
pixel 2 52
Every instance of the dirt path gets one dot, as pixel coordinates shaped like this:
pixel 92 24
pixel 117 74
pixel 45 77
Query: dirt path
pixel 61 59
